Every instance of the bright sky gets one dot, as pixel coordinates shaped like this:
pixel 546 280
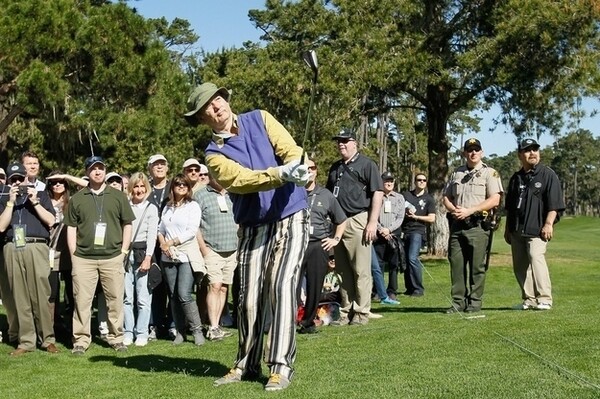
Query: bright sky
pixel 225 23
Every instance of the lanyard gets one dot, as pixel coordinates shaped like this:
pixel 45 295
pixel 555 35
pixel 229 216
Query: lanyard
pixel 101 208
pixel 343 166
pixel 162 195
pixel 20 210
pixel 312 196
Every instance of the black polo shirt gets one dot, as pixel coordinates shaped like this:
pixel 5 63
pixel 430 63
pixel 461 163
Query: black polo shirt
pixel 355 183
pixel 324 210
pixel 24 213
pixel 424 204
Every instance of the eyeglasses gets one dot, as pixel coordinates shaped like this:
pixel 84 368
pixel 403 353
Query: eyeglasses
pixel 190 170
pixel 203 174
pixel 470 150
pixel 312 168
pixel 56 182
pixel 114 180
pixel 421 180
pixel 344 141
pixel 17 179
pixel 180 184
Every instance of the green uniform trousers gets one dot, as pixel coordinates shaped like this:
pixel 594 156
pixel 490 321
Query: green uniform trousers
pixel 467 253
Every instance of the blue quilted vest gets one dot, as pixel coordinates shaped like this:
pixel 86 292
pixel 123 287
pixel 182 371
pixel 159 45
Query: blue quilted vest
pixel 252 149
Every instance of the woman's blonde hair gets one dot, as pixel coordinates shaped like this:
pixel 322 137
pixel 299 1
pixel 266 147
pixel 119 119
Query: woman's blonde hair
pixel 134 180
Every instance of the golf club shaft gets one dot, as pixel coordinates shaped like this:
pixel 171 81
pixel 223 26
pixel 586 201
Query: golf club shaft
pixel 307 128
pixel 310 57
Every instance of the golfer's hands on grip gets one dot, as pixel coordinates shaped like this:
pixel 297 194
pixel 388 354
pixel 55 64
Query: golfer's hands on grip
pixel 294 172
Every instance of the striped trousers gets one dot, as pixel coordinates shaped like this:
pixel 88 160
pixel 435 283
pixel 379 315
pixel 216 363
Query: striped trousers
pixel 269 259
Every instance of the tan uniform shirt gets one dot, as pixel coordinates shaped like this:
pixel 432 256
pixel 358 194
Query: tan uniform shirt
pixel 467 188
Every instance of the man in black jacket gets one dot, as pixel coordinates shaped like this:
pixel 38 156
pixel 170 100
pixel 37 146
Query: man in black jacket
pixel 534 202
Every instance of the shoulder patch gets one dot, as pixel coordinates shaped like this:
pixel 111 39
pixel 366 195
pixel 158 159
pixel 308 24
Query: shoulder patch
pixel 496 174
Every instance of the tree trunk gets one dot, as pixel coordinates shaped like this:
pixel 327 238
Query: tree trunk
pixel 437 143
pixel 7 116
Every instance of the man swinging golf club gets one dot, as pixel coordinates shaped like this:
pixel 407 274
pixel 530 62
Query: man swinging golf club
pixel 255 158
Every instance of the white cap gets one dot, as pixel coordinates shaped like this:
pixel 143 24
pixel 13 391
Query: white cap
pixel 112 174
pixel 2 172
pixel 156 157
pixel 191 161
pixel 203 168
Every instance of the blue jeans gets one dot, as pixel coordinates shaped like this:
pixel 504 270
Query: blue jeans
pixel 180 280
pixel 377 274
pixel 413 276
pixel 136 288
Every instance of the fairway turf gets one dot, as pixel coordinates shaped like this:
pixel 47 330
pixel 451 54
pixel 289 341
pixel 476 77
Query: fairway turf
pixel 414 351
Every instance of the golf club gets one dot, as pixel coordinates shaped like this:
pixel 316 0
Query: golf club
pixel 310 57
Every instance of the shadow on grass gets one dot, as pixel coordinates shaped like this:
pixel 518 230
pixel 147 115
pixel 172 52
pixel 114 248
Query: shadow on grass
pixel 433 310
pixel 411 310
pixel 159 363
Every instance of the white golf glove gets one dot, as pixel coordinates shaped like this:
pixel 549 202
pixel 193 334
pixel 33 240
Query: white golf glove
pixel 301 175
pixel 295 173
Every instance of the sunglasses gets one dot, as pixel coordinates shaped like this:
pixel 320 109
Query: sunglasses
pixel 424 180
pixel 57 182
pixel 203 174
pixel 17 179
pixel 180 184
pixel 344 141
pixel 114 180
pixel 470 150
pixel 312 168
pixel 190 170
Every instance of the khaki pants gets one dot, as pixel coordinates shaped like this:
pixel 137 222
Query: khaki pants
pixel 531 270
pixel 28 270
pixel 9 303
pixel 353 263
pixel 85 277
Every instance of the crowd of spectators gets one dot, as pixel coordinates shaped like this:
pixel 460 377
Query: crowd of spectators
pixel 154 257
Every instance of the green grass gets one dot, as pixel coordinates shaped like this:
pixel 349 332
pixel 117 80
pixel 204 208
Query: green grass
pixel 415 351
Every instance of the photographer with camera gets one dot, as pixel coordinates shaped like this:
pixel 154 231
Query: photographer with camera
pixel 473 189
pixel 26 217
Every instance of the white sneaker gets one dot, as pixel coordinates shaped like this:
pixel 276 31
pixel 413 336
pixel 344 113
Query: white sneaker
pixel 151 333
pixel 375 315
pixel 103 328
pixel 127 341
pixel 544 306
pixel 523 306
pixel 141 341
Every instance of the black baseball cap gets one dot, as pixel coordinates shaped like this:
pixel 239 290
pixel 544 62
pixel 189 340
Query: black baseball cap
pixel 345 134
pixel 472 142
pixel 387 176
pixel 528 143
pixel 93 160
pixel 15 169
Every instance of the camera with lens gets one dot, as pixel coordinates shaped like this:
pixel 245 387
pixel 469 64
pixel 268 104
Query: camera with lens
pixel 23 190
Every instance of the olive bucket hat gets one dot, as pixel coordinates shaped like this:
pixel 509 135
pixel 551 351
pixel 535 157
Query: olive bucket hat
pixel 200 96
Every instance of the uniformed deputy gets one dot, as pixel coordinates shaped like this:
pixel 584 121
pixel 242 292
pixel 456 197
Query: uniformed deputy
pixel 26 216
pixel 473 189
